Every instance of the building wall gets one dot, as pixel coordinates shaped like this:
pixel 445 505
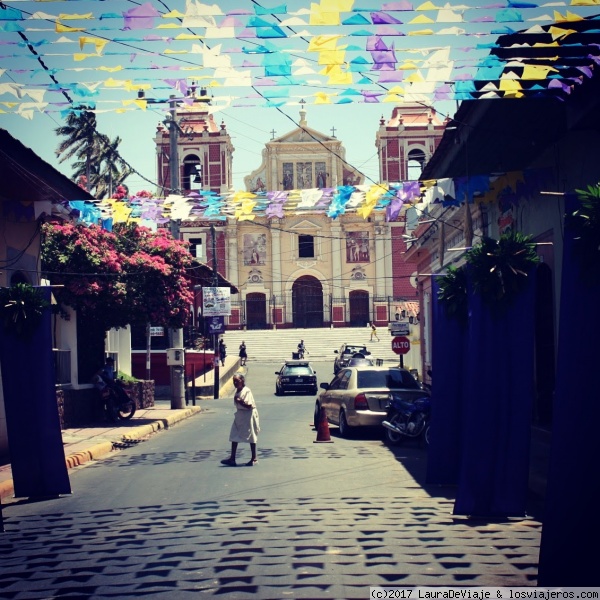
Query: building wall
pixel 15 236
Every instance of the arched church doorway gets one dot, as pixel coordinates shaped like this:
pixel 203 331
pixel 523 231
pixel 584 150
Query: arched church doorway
pixel 545 372
pixel 307 302
pixel 256 311
pixel 359 308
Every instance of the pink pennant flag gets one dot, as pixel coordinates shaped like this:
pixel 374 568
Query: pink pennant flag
pixel 140 17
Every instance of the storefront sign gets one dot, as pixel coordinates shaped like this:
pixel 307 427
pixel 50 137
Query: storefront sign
pixel 216 301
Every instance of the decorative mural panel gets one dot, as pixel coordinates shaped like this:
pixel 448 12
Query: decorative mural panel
pixel 304 175
pixel 357 247
pixel 255 249
pixel 258 183
pixel 288 176
pixel 321 174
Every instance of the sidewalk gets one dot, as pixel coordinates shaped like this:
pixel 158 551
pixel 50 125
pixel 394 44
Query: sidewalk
pixel 91 443
pixel 84 444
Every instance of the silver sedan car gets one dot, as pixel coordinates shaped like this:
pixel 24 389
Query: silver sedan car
pixel 358 396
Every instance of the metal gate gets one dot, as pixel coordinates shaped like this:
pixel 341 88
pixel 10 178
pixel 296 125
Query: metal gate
pixel 307 302
pixel 256 311
pixel 359 308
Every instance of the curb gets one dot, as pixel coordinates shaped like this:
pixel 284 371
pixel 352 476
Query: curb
pixel 79 458
pixel 144 430
pixel 103 448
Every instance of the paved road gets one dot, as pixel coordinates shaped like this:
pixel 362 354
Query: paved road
pixel 165 520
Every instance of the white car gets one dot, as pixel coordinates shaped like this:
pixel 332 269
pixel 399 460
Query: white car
pixel 358 396
pixel 345 353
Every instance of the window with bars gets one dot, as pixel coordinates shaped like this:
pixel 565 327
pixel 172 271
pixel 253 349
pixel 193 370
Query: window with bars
pixel 306 246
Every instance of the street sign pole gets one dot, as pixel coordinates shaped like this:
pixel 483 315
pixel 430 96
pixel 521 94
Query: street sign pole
pixel 401 345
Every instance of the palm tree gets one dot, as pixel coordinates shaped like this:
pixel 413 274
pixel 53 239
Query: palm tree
pixel 113 169
pixel 80 133
pixel 97 156
pixel 105 169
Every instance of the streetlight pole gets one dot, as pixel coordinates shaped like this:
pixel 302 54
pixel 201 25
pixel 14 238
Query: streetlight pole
pixel 177 372
pixel 217 370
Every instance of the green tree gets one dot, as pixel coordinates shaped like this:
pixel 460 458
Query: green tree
pixel 98 161
pixel 112 279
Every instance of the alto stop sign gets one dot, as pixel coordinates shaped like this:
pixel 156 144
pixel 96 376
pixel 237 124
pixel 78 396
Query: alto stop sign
pixel 401 345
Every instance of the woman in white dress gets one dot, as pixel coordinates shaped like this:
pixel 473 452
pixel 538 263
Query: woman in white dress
pixel 245 426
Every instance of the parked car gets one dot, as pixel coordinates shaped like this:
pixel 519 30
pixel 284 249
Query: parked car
pixel 358 396
pixel 296 376
pixel 360 360
pixel 345 353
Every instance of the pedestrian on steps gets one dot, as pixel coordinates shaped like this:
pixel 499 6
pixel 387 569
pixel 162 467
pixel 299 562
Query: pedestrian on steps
pixel 246 426
pixel 374 331
pixel 243 354
pixel 222 351
pixel 302 349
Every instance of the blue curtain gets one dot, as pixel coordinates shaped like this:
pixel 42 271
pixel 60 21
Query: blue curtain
pixel 33 425
pixel 571 522
pixel 449 359
pixel 498 397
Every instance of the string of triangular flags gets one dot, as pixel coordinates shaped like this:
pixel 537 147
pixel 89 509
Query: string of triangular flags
pixel 104 57
pixel 361 200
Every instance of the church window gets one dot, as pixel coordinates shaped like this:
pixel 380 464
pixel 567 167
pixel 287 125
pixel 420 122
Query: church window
pixel 196 247
pixel 306 246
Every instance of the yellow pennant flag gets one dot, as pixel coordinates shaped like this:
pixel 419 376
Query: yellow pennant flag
pixel 97 42
pixel 323 42
pixel 66 17
pixel 79 56
pixel 60 28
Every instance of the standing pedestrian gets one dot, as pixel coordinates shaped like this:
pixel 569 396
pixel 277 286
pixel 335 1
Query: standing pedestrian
pixel 243 354
pixel 222 351
pixel 302 349
pixel 246 427
pixel 374 331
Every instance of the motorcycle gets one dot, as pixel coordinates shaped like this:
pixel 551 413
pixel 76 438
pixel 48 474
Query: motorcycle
pixel 407 419
pixel 117 403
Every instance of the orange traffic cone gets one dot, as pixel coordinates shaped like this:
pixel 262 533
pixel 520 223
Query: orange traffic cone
pixel 323 429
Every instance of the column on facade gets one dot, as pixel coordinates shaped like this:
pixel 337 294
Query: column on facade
pixel 232 272
pixel 388 266
pixel 277 285
pixel 337 284
pixel 379 259
pixel 335 181
pixel 272 174
pixel 336 258
pixel 232 253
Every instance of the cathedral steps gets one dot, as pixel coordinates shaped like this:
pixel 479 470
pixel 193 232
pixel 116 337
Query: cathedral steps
pixel 268 345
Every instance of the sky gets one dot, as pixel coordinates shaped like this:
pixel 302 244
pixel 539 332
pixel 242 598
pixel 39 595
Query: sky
pixel 350 61
pixel 250 130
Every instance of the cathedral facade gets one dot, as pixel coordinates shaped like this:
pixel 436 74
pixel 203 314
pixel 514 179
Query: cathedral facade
pixel 303 268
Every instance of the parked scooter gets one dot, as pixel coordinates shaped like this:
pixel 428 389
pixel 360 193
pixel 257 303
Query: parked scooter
pixel 117 403
pixel 407 419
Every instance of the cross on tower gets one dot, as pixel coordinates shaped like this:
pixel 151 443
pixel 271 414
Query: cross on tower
pixel 333 132
pixel 272 134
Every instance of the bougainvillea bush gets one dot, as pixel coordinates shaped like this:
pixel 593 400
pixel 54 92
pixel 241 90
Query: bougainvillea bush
pixel 127 276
